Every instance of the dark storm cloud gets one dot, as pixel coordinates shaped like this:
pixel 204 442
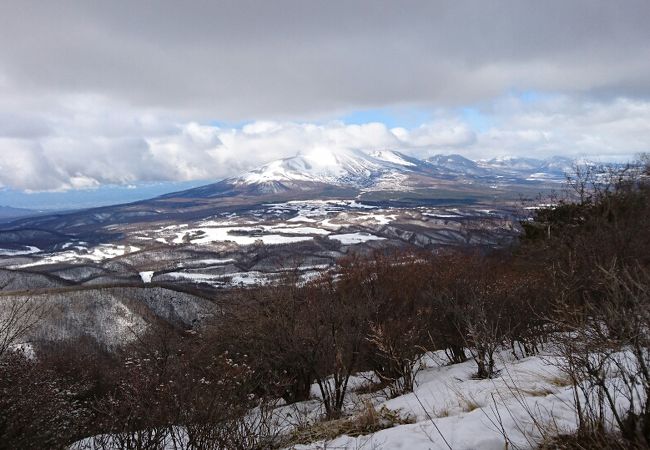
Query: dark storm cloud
pixel 250 59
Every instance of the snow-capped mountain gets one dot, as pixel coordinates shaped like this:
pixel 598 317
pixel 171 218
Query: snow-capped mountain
pixel 527 167
pixel 511 163
pixel 328 166
pixel 361 169
pixel 397 158
pixel 318 166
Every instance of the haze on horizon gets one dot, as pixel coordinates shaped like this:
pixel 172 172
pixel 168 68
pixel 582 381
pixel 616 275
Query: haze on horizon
pixel 102 97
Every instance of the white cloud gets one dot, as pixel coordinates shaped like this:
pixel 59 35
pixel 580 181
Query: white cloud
pixel 93 141
pixel 95 93
pixel 613 130
pixel 447 134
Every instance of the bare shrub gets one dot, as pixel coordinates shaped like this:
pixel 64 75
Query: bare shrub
pixel 606 354
pixel 471 298
pixel 293 334
pixel 38 408
pixel 176 389
pixel 265 328
pixel 392 286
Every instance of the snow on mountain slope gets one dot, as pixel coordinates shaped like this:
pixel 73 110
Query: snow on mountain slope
pixel 456 164
pixel 553 166
pixel 561 164
pixel 512 163
pixel 291 169
pixel 364 170
pixel 330 166
pixel 327 169
pixel 394 157
pixel 449 408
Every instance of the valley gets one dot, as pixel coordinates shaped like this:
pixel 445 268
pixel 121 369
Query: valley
pixel 290 217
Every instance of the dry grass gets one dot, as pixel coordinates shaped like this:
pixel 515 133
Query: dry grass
pixel 561 380
pixel 370 387
pixel 469 405
pixel 536 392
pixel 443 412
pixel 466 402
pixel 368 421
pixel 588 441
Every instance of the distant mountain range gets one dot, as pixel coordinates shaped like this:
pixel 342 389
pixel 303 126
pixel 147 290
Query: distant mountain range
pixel 380 178
pixel 10 213
pixel 379 170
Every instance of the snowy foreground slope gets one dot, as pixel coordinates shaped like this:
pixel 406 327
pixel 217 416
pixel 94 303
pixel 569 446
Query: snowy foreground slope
pixel 449 409
pixel 453 410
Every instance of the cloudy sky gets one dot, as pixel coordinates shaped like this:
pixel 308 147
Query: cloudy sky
pixel 119 96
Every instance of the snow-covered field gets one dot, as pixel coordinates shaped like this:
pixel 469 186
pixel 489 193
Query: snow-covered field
pixel 355 238
pixel 27 250
pixel 449 409
pixel 243 279
pixel 453 410
pixel 236 279
pixel 238 235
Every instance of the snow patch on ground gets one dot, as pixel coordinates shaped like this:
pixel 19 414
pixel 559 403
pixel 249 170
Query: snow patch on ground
pixel 296 230
pixel 355 238
pixel 238 235
pixel 308 209
pixel 381 219
pixel 95 254
pixel 301 218
pixel 146 276
pixel 28 250
pixel 212 261
pixel 451 409
pixel 235 279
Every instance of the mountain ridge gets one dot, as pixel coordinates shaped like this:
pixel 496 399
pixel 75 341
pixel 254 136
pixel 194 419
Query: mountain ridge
pixel 359 169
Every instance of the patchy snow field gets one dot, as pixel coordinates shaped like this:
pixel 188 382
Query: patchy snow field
pixel 250 278
pixel 238 235
pixel 81 253
pixel 348 221
pixel 308 219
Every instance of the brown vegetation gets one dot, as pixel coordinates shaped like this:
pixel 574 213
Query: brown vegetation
pixel 580 277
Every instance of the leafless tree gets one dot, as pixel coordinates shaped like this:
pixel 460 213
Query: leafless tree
pixel 18 316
